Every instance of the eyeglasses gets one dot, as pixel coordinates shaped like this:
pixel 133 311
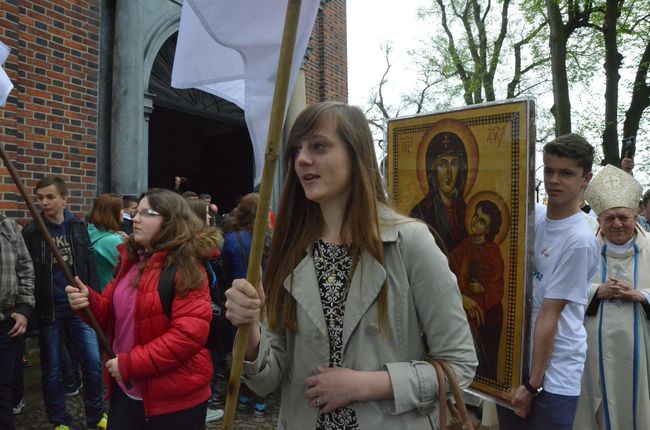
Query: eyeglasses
pixel 146 213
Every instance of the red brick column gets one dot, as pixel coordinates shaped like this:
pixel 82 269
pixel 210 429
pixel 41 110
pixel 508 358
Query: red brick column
pixel 326 69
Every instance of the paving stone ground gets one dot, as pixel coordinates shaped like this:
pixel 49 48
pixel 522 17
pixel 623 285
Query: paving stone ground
pixel 33 416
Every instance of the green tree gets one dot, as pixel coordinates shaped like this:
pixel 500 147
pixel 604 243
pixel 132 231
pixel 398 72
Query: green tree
pixel 477 41
pixel 634 28
pixel 485 50
pixel 616 23
pixel 563 21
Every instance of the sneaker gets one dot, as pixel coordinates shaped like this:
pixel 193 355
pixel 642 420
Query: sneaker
pixel 259 410
pixel 213 415
pixel 73 390
pixel 62 427
pixel 245 402
pixel 103 423
pixel 20 406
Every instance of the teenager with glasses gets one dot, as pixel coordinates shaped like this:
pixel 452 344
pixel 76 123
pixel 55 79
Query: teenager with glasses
pixel 161 375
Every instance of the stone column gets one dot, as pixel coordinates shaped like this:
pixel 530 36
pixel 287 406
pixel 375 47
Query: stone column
pixel 148 109
pixel 129 149
pixel 107 36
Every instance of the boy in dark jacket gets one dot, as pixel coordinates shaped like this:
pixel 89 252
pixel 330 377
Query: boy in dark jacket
pixel 53 310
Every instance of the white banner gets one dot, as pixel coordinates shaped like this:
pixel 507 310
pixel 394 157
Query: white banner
pixel 231 49
pixel 5 83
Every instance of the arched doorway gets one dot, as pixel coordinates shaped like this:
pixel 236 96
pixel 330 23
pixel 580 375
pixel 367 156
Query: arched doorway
pixel 198 136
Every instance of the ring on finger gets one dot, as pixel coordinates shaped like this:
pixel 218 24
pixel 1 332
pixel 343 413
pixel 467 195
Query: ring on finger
pixel 317 401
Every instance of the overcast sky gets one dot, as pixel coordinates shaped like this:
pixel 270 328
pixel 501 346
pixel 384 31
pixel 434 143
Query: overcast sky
pixel 372 23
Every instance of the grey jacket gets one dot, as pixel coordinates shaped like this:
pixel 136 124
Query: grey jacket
pixel 423 297
pixel 16 271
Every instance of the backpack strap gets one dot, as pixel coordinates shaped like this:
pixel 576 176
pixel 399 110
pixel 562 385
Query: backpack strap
pixel 212 276
pixel 166 289
pixel 221 281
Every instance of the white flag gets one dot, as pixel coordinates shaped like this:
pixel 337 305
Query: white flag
pixel 5 83
pixel 231 49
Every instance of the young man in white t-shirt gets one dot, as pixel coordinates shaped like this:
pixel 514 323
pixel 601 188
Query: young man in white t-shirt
pixel 566 260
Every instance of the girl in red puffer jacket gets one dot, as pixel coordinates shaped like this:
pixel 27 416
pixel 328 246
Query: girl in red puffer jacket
pixel 165 361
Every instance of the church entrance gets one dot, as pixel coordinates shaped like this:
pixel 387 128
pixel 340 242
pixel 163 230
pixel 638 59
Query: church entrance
pixel 215 158
pixel 197 136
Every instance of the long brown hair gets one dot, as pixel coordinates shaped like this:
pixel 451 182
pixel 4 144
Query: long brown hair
pixel 299 220
pixel 188 240
pixel 106 212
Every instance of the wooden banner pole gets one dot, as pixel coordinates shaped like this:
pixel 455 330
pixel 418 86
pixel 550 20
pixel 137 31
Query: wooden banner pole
pixel 280 96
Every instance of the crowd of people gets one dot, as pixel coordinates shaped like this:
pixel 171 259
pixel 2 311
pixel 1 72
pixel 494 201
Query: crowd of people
pixel 355 298
pixel 117 255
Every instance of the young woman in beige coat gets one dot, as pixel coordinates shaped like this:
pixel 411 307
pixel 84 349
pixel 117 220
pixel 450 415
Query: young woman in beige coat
pixel 350 287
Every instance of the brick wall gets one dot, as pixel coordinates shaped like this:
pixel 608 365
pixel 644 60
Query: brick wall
pixel 326 69
pixel 49 125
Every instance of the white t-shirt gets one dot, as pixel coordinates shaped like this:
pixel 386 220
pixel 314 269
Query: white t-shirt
pixel 566 260
pixel 591 221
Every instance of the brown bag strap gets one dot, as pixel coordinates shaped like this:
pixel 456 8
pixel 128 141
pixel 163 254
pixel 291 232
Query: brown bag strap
pixel 442 394
pixel 459 412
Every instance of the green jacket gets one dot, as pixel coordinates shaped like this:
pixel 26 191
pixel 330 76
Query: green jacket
pixel 105 243
pixel 423 297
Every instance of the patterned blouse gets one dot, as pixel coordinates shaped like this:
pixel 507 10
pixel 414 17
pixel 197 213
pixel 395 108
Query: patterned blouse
pixel 333 263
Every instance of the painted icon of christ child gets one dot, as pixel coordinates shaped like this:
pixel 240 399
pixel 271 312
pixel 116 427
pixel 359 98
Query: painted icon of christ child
pixel 478 265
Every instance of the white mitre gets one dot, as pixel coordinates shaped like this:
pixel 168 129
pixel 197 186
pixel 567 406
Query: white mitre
pixel 613 188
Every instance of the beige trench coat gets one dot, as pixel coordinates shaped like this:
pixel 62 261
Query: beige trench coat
pixel 422 292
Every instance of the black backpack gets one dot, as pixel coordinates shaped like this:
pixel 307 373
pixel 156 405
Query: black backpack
pixel 216 278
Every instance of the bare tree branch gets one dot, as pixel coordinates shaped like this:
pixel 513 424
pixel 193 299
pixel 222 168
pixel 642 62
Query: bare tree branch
pixel 378 100
pixel 460 69
pixel 640 95
pixel 519 72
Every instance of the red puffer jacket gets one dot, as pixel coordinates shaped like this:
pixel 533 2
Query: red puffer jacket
pixel 170 359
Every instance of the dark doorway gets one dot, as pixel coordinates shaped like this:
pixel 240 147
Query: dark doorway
pixel 216 158
pixel 197 135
